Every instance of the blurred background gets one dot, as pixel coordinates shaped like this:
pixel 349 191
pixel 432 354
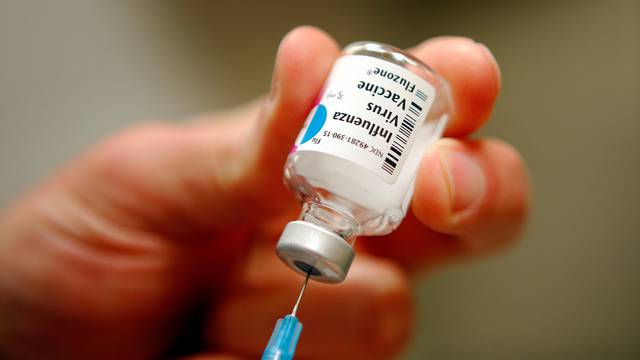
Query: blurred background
pixel 72 72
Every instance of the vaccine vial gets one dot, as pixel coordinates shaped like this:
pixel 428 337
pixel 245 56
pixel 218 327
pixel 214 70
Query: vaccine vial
pixel 354 162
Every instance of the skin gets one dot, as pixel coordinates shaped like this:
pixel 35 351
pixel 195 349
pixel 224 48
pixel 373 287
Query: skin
pixel 109 257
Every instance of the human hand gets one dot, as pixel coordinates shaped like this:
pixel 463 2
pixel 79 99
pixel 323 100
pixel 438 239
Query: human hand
pixel 107 258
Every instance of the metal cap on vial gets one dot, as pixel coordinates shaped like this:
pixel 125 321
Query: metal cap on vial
pixel 309 248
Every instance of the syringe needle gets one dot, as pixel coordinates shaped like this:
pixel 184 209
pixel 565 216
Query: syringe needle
pixel 284 338
pixel 304 286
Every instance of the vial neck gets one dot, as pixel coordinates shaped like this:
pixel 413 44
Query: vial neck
pixel 331 219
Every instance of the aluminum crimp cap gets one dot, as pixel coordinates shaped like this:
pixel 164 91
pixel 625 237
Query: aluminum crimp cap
pixel 307 247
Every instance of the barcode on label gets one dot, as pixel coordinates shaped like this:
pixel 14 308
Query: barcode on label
pixel 422 96
pixel 415 109
pixel 402 138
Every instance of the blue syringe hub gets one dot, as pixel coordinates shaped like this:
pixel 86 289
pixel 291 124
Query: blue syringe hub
pixel 284 339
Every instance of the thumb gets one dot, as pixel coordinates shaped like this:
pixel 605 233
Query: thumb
pixel 304 59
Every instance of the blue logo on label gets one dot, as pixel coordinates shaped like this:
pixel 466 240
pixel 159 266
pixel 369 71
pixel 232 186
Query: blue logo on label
pixel 316 123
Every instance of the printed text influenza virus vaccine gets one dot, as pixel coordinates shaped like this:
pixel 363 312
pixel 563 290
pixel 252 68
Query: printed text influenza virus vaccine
pixel 354 162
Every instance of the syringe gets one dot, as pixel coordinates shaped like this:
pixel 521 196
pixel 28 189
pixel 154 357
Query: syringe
pixel 284 338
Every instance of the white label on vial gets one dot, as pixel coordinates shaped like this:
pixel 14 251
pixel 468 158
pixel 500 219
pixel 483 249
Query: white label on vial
pixel 369 113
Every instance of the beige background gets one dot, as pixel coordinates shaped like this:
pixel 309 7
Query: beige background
pixel 72 72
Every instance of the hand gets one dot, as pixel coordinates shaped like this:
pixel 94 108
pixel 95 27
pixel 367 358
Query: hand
pixel 109 257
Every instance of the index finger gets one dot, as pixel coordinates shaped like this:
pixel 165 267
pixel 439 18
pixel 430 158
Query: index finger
pixel 472 73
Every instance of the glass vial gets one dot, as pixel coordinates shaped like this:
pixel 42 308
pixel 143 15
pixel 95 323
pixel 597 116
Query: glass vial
pixel 354 163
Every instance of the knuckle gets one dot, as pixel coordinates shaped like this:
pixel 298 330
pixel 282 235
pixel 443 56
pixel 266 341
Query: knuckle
pixel 393 314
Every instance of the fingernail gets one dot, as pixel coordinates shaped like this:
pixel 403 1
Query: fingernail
pixel 491 59
pixel 463 175
pixel 486 51
pixel 273 90
pixel 274 87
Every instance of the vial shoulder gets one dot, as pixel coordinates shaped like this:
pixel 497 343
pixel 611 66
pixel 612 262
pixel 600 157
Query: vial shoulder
pixel 326 179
